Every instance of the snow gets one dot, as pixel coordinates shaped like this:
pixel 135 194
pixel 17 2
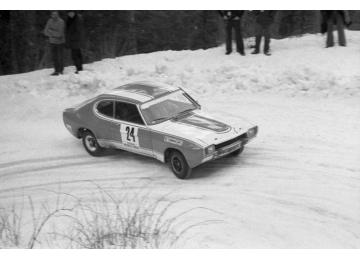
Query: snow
pixel 297 185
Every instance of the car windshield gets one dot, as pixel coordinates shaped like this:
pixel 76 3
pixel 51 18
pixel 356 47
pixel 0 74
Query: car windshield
pixel 167 107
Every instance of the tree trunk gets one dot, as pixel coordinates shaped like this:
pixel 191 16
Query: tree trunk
pixel 13 39
pixel 132 40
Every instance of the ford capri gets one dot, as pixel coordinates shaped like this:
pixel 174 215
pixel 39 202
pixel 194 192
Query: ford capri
pixel 155 120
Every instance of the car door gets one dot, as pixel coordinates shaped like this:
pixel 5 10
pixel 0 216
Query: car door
pixel 103 123
pixel 131 133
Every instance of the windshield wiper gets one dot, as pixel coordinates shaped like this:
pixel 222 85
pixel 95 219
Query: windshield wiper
pixel 159 119
pixel 178 115
pixel 184 112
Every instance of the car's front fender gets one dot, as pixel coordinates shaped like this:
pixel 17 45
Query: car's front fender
pixel 162 142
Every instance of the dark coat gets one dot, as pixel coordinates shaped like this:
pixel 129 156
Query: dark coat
pixel 231 15
pixel 265 18
pixel 74 32
pixel 327 15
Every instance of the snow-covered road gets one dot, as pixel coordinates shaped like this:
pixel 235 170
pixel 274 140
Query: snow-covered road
pixel 297 185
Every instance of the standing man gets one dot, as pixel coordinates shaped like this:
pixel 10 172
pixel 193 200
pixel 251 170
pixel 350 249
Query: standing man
pixel 74 38
pixel 54 29
pixel 264 20
pixel 232 20
pixel 331 18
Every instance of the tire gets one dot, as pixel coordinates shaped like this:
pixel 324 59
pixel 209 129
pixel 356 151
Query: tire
pixel 238 151
pixel 179 165
pixel 91 145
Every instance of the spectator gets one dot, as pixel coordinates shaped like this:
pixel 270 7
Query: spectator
pixel 54 29
pixel 74 38
pixel 233 21
pixel 331 18
pixel 264 20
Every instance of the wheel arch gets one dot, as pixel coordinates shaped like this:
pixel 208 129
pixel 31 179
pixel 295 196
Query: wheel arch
pixel 168 151
pixel 81 131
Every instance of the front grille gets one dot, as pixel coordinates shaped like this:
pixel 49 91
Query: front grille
pixel 231 141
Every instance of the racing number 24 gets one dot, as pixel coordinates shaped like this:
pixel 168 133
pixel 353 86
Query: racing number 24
pixel 130 134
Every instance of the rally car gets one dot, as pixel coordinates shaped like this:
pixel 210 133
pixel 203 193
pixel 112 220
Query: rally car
pixel 155 120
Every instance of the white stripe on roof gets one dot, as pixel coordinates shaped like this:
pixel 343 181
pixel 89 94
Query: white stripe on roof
pixel 158 100
pixel 131 95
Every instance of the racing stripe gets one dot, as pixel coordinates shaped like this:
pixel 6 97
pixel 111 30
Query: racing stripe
pixel 204 123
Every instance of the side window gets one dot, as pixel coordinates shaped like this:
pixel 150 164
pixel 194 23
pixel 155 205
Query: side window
pixel 127 112
pixel 106 108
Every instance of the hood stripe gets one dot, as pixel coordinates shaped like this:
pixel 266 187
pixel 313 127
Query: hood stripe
pixel 204 123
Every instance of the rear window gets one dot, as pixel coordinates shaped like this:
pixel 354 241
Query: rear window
pixel 106 108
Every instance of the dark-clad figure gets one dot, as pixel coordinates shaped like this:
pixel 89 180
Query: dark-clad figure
pixel 55 30
pixel 264 20
pixel 75 38
pixel 331 18
pixel 233 21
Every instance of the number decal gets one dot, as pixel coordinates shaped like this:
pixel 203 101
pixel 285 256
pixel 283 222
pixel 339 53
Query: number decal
pixel 129 135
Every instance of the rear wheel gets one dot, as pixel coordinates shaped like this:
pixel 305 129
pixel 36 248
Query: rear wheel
pixel 91 145
pixel 179 165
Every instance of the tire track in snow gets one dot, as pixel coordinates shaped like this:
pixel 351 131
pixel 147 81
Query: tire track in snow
pixel 50 167
pixel 41 185
pixel 36 160
pixel 49 163
pixel 34 166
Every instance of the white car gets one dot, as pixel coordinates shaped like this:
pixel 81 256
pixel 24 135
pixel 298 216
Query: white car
pixel 155 120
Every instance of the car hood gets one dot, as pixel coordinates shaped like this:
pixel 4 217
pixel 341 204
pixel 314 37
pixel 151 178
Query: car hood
pixel 201 128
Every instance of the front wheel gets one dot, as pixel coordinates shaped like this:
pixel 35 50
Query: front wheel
pixel 91 145
pixel 179 165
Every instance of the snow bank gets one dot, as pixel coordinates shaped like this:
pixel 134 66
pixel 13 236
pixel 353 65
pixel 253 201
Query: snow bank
pixel 298 67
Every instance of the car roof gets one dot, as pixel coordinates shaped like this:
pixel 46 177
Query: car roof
pixel 141 92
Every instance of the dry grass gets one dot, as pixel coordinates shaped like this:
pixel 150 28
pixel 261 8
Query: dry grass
pixel 10 226
pixel 128 220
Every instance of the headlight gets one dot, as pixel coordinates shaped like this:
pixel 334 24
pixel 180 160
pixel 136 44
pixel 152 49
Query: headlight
pixel 252 132
pixel 210 149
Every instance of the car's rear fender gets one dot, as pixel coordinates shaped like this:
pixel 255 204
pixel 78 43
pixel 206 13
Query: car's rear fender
pixel 72 123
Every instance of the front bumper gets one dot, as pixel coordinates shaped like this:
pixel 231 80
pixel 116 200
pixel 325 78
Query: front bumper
pixel 232 145
pixel 227 150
